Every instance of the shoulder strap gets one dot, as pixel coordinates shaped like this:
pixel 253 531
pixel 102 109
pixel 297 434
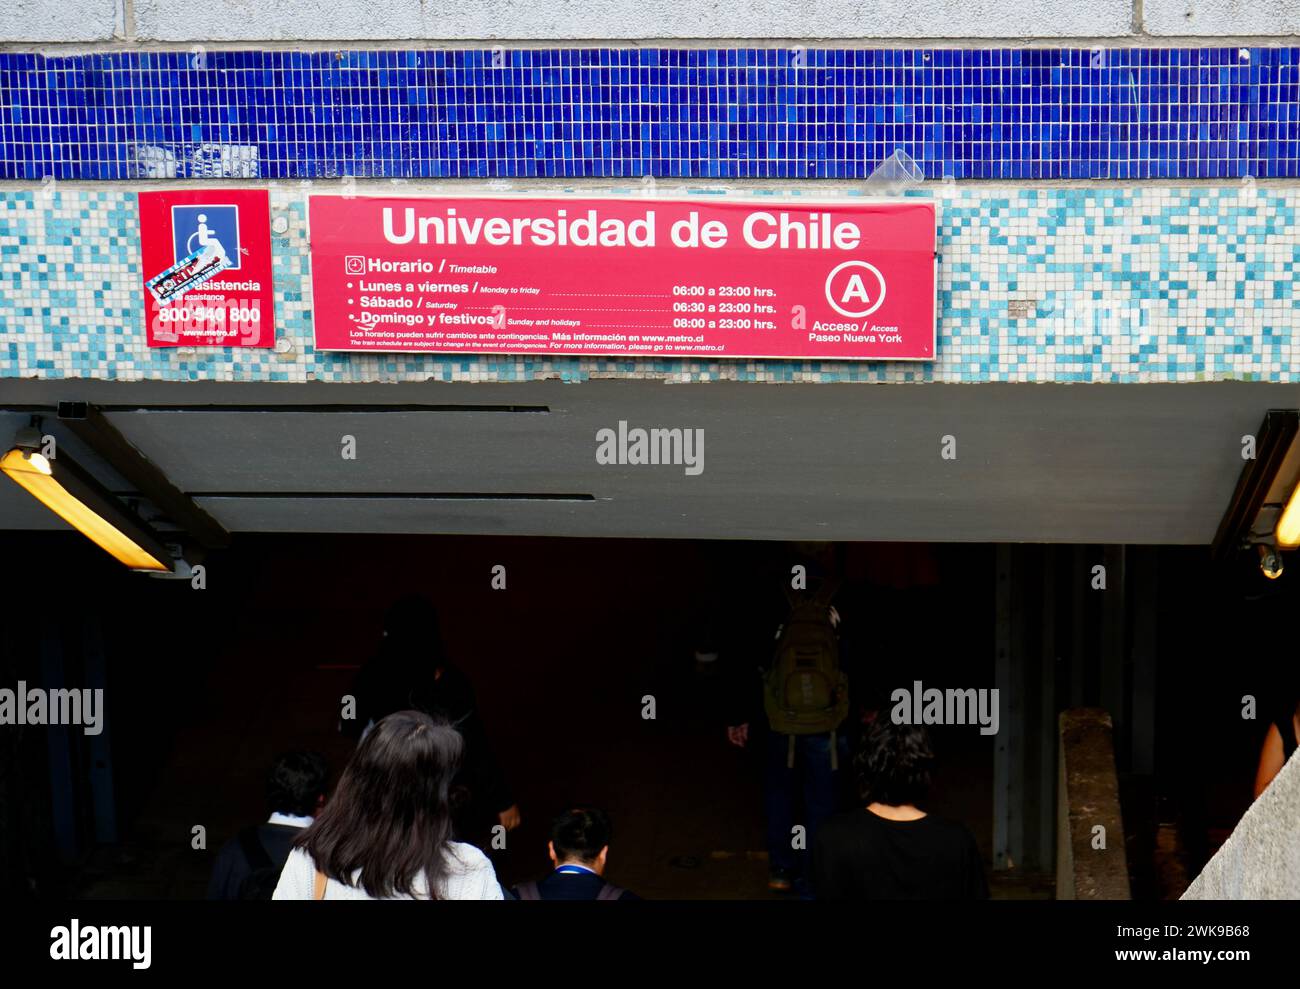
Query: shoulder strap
pixel 318 887
pixel 528 891
pixel 254 851
pixel 609 892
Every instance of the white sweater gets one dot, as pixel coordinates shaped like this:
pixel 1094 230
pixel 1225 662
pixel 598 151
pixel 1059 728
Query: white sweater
pixel 472 878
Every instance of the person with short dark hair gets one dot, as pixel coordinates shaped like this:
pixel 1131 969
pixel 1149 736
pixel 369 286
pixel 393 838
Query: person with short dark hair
pixel 891 849
pixel 579 847
pixel 248 866
pixel 386 834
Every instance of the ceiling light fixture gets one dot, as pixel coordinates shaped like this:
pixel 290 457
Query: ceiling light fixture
pixel 75 496
pixel 1265 506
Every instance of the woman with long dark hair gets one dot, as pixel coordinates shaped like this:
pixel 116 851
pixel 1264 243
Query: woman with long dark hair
pixel 387 831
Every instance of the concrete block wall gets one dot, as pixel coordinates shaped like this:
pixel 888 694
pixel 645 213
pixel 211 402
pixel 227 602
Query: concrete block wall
pixel 61 20
pixel 168 20
pixel 1220 18
pixel 149 22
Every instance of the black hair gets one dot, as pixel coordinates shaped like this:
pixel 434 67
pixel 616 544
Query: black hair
pixel 893 763
pixel 296 783
pixel 580 833
pixel 390 816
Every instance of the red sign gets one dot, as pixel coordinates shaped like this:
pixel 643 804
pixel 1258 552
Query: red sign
pixel 641 277
pixel 207 268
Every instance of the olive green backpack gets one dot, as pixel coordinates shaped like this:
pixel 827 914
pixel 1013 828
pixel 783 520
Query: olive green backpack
pixel 805 691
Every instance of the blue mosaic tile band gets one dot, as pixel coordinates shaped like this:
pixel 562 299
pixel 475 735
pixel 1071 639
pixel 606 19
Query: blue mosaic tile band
pixel 1123 113
pixel 1081 284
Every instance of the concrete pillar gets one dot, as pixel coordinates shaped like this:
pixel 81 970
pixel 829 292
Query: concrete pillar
pixel 1091 863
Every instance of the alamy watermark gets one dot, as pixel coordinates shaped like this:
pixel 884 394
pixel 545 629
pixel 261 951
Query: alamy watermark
pixel 635 446
pixel 38 706
pixel 931 706
pixel 91 943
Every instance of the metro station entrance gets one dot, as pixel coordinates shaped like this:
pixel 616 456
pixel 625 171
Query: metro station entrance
pixel 563 659
pixel 206 688
pixel 1059 557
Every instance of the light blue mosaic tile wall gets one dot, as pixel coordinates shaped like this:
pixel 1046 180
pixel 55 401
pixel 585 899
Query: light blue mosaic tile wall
pixel 1059 284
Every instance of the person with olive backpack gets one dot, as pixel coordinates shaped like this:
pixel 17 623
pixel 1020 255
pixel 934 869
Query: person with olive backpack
pixel 806 701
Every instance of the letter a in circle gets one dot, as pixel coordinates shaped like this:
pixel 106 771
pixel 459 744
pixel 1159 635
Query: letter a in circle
pixel 854 299
pixel 855 291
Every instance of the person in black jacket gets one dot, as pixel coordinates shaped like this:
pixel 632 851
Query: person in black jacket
pixel 248 866
pixel 412 671
pixel 579 847
pixel 890 848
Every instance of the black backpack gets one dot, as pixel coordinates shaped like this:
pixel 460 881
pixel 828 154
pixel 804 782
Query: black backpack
pixel 260 883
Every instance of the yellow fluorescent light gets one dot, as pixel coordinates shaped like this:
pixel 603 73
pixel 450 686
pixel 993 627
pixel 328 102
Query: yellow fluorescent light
pixel 45 488
pixel 1287 530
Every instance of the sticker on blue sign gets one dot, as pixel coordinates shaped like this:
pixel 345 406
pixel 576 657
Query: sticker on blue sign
pixel 190 272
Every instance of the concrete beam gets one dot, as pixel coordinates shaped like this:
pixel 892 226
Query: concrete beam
pixel 569 20
pixel 67 20
pixel 1221 18
pixel 1093 464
